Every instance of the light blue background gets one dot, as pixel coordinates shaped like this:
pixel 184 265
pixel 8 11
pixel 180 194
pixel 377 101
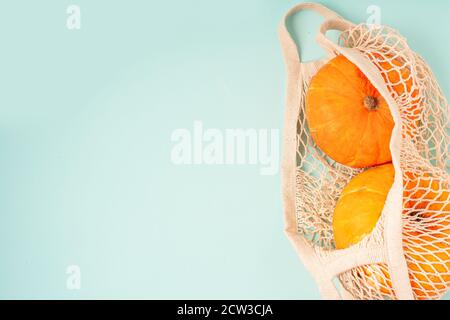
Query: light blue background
pixel 85 124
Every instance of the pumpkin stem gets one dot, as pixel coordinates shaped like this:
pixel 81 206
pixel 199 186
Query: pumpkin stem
pixel 371 103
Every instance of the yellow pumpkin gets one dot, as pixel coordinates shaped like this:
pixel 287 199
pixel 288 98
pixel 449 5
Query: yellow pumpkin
pixel 360 205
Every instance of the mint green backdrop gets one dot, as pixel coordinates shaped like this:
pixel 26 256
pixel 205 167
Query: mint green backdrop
pixel 85 124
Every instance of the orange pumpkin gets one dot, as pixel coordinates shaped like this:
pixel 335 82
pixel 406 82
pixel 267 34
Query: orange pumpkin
pixel 427 241
pixel 427 249
pixel 423 193
pixel 396 72
pixel 347 116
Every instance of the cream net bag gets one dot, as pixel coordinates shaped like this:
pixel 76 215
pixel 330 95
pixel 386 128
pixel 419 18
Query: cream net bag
pixel 406 256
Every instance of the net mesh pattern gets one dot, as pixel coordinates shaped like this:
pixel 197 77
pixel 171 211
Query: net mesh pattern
pixel 424 162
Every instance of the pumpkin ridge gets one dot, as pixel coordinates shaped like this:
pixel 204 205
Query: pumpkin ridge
pixel 338 127
pixel 363 189
pixel 355 86
pixel 341 109
pixel 329 89
pixel 327 123
pixel 380 138
pixel 361 142
pixel 386 114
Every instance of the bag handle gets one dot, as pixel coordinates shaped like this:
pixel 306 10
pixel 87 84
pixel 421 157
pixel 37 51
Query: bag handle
pixel 331 24
pixel 288 45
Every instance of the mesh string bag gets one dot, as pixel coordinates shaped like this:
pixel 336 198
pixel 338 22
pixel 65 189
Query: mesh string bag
pixel 407 255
